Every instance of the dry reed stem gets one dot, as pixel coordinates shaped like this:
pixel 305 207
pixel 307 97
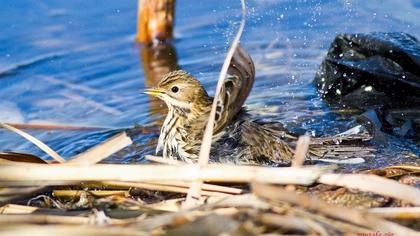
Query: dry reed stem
pixel 162 160
pixel 361 218
pixel 300 155
pixel 331 222
pixel 397 212
pixel 292 223
pixel 301 150
pixel 404 167
pixel 96 193
pixel 91 156
pixel 375 184
pixel 240 201
pixel 101 151
pixel 181 184
pixel 164 188
pixel 172 219
pixel 204 155
pixel 64 174
pixel 42 219
pixel 35 141
pixel 171 205
pixel 17 209
pixel 67 230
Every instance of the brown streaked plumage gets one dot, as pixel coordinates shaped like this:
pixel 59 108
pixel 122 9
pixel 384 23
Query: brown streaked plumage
pixel 237 138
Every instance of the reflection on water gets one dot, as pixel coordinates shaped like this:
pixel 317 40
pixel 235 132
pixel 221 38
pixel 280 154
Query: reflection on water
pixel 76 63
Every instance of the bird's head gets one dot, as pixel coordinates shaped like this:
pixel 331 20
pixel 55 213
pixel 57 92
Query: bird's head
pixel 178 89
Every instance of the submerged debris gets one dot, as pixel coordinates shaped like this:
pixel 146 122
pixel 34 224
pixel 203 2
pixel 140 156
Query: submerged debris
pixel 378 73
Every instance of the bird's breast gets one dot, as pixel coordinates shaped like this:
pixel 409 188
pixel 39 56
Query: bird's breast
pixel 176 141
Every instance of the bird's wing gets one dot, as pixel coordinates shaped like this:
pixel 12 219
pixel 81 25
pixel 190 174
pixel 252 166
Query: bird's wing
pixel 236 88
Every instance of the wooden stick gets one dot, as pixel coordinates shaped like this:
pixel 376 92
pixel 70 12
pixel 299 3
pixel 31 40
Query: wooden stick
pixel 375 184
pixel 397 212
pixel 155 20
pixel 29 174
pixel 102 151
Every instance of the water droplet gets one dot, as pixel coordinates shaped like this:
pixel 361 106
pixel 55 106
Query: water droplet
pixel 337 91
pixel 368 88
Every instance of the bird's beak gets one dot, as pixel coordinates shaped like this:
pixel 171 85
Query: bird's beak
pixel 153 92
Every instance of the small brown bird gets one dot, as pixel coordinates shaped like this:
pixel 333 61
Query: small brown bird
pixel 237 138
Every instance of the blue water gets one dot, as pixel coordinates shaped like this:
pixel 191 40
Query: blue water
pixel 76 63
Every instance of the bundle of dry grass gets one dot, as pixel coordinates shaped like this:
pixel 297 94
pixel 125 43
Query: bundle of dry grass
pixel 84 198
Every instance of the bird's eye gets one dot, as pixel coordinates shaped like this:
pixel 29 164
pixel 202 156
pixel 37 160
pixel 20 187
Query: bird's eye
pixel 175 89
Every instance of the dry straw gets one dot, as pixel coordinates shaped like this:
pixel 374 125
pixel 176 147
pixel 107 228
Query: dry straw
pixel 35 141
pixel 204 156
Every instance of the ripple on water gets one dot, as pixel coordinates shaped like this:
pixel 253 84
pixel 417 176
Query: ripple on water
pixel 74 62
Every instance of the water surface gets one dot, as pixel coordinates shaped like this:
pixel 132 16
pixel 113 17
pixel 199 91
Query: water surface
pixel 76 63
